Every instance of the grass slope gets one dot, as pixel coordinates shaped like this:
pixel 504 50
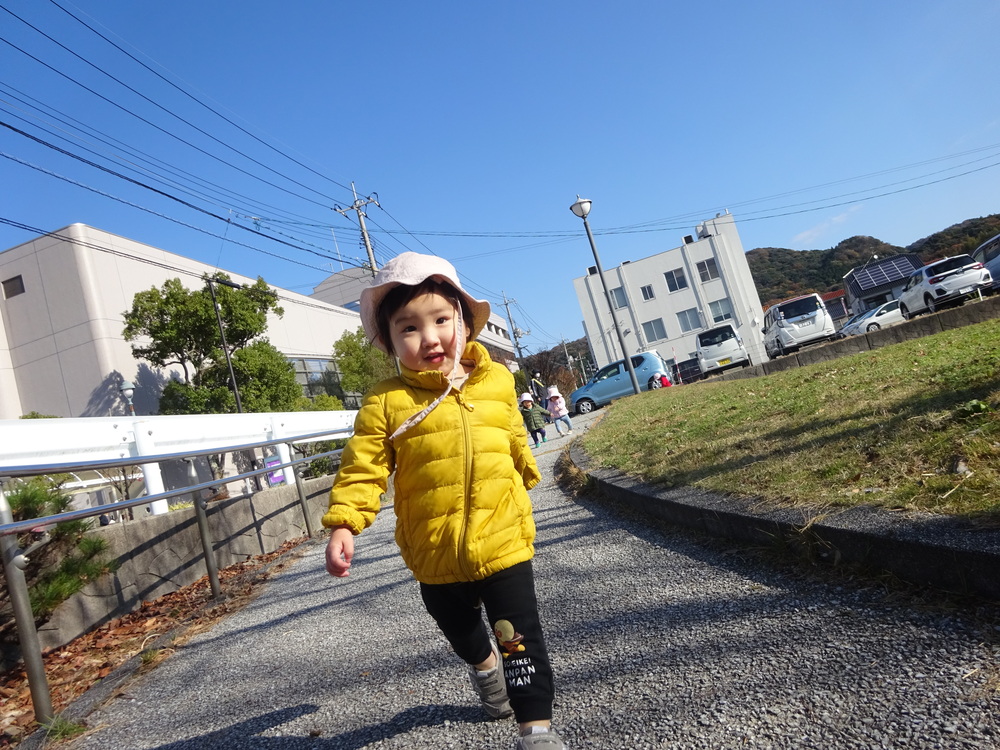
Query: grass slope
pixel 910 426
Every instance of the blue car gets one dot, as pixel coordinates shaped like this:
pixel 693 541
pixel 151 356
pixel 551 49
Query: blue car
pixel 613 381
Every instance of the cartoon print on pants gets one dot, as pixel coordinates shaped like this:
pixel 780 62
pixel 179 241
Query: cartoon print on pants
pixel 509 639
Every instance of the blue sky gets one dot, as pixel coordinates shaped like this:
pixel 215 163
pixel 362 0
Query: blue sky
pixel 477 124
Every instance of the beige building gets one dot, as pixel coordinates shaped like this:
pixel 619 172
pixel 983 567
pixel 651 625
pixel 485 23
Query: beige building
pixel 61 345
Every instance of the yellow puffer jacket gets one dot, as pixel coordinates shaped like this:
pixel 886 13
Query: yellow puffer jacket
pixel 462 473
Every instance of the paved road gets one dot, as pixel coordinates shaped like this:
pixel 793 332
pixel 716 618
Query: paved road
pixel 659 640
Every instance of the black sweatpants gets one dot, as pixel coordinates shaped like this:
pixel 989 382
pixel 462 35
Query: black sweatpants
pixel 509 598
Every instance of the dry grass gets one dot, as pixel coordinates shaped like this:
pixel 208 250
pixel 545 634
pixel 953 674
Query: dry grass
pixel 915 425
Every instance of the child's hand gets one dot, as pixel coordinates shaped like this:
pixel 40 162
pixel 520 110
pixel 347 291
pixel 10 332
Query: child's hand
pixel 339 552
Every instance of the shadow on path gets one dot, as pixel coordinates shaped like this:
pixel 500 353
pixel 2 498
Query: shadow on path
pixel 246 734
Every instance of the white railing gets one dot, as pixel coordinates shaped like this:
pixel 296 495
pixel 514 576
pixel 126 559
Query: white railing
pixel 46 446
pixel 33 447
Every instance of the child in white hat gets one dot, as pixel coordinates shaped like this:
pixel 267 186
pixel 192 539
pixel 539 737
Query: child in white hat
pixel 560 412
pixel 449 428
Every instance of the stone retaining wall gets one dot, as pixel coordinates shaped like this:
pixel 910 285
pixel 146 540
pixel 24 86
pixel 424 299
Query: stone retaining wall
pixel 160 554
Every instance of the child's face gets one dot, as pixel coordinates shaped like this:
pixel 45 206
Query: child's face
pixel 423 333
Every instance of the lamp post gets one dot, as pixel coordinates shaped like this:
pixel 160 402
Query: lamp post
pixel 127 389
pixel 222 332
pixel 581 208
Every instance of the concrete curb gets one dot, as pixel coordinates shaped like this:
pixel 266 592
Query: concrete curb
pixel 942 552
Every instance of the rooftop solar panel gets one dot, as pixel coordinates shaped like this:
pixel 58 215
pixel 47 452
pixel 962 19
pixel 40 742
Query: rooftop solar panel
pixel 883 271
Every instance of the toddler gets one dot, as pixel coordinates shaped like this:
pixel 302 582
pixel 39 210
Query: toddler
pixel 448 427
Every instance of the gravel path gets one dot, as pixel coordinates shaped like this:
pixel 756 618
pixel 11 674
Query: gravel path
pixel 659 640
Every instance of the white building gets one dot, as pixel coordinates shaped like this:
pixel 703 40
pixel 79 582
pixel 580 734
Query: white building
pixel 61 345
pixel 664 300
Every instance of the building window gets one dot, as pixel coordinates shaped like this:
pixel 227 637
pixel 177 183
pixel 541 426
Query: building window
pixel 721 310
pixel 13 287
pixel 708 270
pixel 320 376
pixel 688 319
pixel 618 298
pixel 647 293
pixel 675 279
pixel 654 330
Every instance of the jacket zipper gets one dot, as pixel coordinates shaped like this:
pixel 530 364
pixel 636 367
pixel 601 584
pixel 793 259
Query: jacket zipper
pixel 463 556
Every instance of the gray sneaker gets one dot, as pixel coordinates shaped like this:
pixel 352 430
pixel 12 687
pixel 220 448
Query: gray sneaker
pixel 542 741
pixel 491 688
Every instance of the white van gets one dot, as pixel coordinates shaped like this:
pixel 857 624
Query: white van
pixel 719 349
pixel 792 324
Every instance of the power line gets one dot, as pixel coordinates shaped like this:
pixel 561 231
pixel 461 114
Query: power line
pixel 197 100
pixel 158 128
pixel 115 144
pixel 176 221
pixel 650 226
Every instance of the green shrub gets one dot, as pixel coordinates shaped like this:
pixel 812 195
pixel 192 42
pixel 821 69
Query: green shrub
pixel 69 560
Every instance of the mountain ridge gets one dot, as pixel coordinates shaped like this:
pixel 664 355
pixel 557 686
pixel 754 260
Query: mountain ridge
pixel 780 273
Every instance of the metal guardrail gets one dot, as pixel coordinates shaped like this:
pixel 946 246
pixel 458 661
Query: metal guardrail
pixel 15 559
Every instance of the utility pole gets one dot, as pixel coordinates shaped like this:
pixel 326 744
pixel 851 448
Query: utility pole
pixel 516 332
pixel 212 280
pixel 358 206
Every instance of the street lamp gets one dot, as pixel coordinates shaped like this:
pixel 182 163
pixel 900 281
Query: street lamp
pixel 222 332
pixel 127 389
pixel 581 208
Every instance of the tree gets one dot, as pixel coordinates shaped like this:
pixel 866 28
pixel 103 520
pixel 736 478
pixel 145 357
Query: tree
pixel 322 402
pixel 553 366
pixel 361 365
pixel 266 378
pixel 179 327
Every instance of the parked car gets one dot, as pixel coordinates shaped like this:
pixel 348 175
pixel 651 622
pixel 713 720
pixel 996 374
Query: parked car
pixel 944 282
pixel 686 371
pixel 843 331
pixel 613 381
pixel 791 324
pixel 854 326
pixel 883 316
pixel 719 349
pixel 989 255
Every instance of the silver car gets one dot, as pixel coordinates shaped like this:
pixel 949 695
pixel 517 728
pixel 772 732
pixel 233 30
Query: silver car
pixel 883 316
pixel 942 283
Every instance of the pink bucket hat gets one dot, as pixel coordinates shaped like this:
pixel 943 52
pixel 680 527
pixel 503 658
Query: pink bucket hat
pixel 412 269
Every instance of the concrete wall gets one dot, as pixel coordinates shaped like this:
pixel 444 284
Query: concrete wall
pixel 160 554
pixel 923 325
